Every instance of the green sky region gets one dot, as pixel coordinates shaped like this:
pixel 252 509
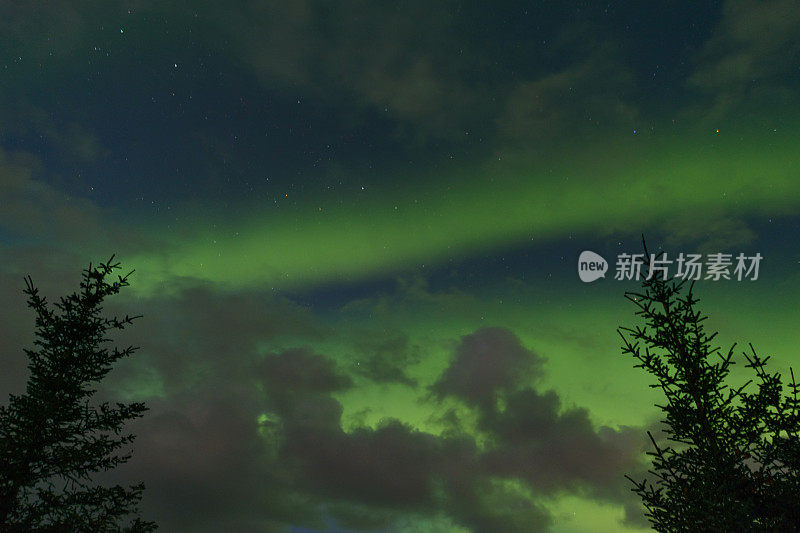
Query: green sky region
pixel 572 326
pixel 586 369
pixel 645 183
pixel 587 372
pixel 638 183
pixel 601 380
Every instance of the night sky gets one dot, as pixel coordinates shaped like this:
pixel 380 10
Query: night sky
pixel 356 227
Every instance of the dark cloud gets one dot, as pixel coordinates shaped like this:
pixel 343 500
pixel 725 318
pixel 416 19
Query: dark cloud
pixel 385 359
pixel 196 333
pixel 217 455
pixel 301 370
pixel 391 58
pixel 275 452
pixel 502 508
pixel 751 57
pixel 434 73
pixel 392 464
pixel 395 469
pixel 30 31
pixel 37 210
pixel 359 517
pixel 530 435
pixel 207 469
pixel 590 95
pixel 723 233
pixel 554 449
pixel 238 438
pixel 486 363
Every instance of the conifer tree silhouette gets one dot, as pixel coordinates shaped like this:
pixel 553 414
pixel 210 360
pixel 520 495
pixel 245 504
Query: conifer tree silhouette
pixel 52 438
pixel 731 456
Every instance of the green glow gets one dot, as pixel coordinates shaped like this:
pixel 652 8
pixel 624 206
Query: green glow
pixel 643 186
pixel 573 514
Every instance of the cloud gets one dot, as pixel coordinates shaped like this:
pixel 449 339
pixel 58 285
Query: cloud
pixel 385 358
pixel 301 370
pixel 197 332
pixel 390 465
pixel 709 233
pixel 390 59
pixel 530 435
pixel 37 210
pixel 554 449
pixel 259 441
pixel 206 469
pixel 590 95
pixel 751 56
pixel 488 362
pixel 396 470
pixel 31 30
pixel 413 66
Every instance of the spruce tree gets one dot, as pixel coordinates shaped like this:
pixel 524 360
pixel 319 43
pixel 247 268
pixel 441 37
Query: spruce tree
pixel 54 438
pixel 730 457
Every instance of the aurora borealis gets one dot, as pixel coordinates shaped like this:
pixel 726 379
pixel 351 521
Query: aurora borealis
pixel 355 229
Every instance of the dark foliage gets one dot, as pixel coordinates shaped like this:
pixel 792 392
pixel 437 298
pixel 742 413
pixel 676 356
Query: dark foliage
pixel 52 438
pixel 731 459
